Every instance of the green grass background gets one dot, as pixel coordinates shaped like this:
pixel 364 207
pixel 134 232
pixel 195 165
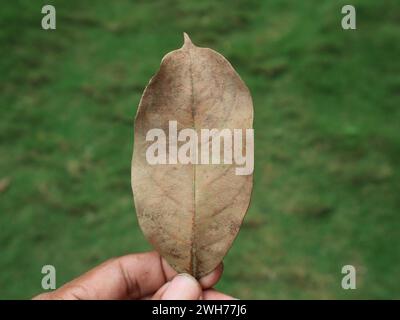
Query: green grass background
pixel 327 143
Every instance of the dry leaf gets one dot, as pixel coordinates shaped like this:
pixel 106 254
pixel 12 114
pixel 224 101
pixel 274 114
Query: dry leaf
pixel 191 213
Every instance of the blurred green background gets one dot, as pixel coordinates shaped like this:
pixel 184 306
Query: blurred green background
pixel 327 115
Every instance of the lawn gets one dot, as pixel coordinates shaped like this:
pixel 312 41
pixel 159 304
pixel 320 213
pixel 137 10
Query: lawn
pixel 327 139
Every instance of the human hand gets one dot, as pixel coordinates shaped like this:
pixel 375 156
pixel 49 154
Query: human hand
pixel 138 276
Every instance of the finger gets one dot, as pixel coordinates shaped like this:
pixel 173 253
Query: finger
pixel 206 282
pixel 181 287
pixel 212 278
pixel 128 277
pixel 212 294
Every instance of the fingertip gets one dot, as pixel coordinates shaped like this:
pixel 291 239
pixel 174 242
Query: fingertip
pixel 212 278
pixel 212 294
pixel 181 287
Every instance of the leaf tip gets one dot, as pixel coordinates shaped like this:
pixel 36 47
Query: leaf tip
pixel 186 40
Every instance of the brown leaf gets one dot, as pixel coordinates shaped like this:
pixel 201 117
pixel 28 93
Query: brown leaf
pixel 191 213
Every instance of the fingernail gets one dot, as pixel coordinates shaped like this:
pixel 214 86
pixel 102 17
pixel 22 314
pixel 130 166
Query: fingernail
pixel 182 287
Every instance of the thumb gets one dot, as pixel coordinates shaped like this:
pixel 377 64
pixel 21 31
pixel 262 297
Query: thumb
pixel 182 287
